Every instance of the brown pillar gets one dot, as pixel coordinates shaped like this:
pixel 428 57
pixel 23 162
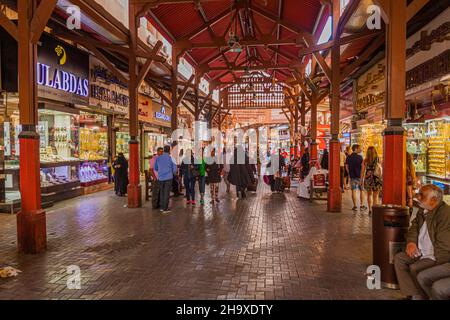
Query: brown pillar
pixel 210 115
pixel 334 176
pixel 31 220
pixel 111 137
pixel 313 145
pixel 196 105
pixel 296 118
pixel 134 187
pixel 174 119
pixel 303 121
pixel 394 173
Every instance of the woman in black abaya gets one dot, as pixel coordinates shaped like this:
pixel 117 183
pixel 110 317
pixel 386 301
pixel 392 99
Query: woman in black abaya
pixel 121 175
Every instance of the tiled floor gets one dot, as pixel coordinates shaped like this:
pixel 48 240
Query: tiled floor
pixel 265 247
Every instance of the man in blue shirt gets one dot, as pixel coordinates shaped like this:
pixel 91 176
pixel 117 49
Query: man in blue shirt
pixel 166 168
pixel 354 165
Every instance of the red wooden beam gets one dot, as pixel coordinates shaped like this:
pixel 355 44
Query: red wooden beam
pixel 9 26
pixel 40 18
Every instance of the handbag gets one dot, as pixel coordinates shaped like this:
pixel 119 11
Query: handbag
pixel 378 171
pixel 195 172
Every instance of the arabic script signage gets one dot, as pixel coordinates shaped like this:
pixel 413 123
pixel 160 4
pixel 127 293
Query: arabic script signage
pixel 107 92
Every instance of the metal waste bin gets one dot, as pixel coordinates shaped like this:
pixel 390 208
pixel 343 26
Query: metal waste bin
pixel 389 227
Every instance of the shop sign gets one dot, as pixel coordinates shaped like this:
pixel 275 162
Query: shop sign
pixel 371 88
pixel 145 89
pixel 62 72
pixel 145 109
pixel 420 68
pixel 432 69
pixel 107 91
pixel 161 114
pixel 439 34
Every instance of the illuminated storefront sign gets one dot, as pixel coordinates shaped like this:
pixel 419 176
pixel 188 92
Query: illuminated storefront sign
pixel 161 115
pixel 61 80
pixel 62 72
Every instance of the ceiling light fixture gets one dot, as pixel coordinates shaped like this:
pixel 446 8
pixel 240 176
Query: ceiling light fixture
pixel 233 38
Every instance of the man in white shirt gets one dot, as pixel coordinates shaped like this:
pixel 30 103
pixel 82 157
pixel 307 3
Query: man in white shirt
pixel 428 241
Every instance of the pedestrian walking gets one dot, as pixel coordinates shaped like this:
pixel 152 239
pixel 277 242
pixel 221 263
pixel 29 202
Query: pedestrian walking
pixel 348 151
pixel 166 168
pixel 354 167
pixel 371 178
pixel 226 169
pixel 304 169
pixel 120 175
pixel 324 160
pixel 202 177
pixel 213 178
pixel 342 158
pixel 239 174
pixel 155 182
pixel 190 172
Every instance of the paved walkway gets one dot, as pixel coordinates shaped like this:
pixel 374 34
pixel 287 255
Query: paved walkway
pixel 265 247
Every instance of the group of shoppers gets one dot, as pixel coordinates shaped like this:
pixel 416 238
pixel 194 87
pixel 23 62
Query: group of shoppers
pixel 207 171
pixel 201 169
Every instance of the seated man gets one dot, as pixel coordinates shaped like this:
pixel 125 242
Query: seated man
pixel 435 282
pixel 428 241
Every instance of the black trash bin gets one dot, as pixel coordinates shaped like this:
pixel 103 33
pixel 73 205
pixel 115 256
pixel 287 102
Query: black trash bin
pixel 389 227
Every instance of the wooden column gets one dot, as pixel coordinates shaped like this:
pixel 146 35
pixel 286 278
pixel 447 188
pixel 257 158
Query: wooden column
pixel 313 145
pixel 210 120
pixel 196 103
pixel 296 119
pixel 302 121
pixel 335 193
pixel 31 220
pixel 394 173
pixel 134 187
pixel 174 119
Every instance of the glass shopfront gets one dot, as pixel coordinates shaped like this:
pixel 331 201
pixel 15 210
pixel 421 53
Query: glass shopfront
pixel 62 82
pixel 369 135
pixel 93 148
pixel 123 139
pixel 152 141
pixel 59 153
pixel 59 157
